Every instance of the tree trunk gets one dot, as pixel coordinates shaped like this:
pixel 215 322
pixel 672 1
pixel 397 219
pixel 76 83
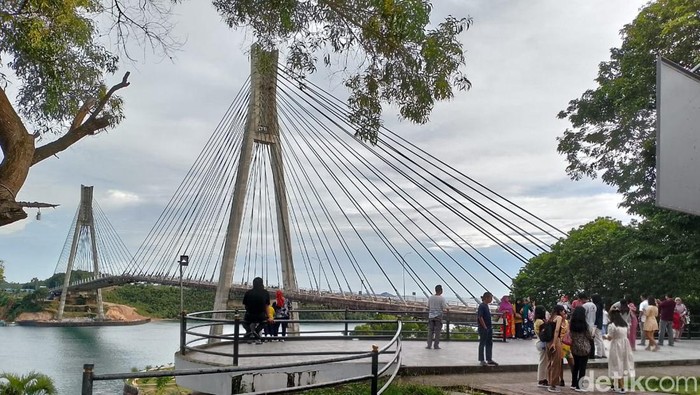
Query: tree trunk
pixel 17 146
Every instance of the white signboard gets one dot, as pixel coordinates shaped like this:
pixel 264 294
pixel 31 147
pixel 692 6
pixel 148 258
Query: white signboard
pixel 677 138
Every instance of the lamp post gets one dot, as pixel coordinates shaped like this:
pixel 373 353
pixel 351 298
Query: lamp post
pixel 184 261
pixel 318 278
pixel 403 273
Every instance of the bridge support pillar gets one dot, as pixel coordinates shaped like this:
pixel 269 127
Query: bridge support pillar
pixel 84 224
pixel 262 127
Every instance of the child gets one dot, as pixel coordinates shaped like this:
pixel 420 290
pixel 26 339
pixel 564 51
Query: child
pixel 620 359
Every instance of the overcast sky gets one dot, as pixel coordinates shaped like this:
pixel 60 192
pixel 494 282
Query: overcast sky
pixel 526 60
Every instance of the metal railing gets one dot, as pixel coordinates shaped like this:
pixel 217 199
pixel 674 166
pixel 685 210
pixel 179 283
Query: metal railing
pixel 197 339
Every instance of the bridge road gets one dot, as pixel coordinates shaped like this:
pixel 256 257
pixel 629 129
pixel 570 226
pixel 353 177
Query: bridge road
pixel 328 299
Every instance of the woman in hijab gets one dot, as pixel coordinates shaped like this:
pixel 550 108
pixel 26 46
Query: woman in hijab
pixel 282 310
pixel 506 310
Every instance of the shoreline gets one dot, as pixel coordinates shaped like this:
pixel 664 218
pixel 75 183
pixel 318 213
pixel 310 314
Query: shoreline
pixel 81 323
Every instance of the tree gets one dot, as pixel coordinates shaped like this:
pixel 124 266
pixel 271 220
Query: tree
pixel 401 60
pixel 591 259
pixel 2 271
pixel 32 383
pixel 58 69
pixel 613 131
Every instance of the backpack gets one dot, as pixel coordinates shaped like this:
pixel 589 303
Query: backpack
pixel 546 333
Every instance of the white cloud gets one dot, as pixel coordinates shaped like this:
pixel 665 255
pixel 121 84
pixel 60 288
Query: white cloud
pixel 116 198
pixel 526 60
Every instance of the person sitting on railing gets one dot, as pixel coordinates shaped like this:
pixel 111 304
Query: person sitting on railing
pixel 255 301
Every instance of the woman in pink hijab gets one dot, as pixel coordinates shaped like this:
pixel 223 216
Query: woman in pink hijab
pixel 506 309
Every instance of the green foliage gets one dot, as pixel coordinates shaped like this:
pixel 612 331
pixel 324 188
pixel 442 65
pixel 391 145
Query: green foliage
pixel 2 271
pixel 613 131
pixel 413 328
pixel 613 260
pixel 56 280
pixel 32 383
pixel 51 46
pixel 29 303
pixel 384 329
pixel 160 301
pixel 402 58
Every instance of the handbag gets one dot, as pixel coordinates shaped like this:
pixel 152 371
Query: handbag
pixel 567 339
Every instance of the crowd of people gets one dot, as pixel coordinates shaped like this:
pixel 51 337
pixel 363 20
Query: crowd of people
pixel 574 332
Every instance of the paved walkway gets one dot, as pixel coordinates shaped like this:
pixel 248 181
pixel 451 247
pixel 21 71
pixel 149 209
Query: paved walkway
pixel 456 364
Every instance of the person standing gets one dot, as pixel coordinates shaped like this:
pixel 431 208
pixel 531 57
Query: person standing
pixel 599 346
pixel 255 301
pixel 634 322
pixel 666 309
pixel 283 307
pixel 650 324
pixel 554 350
pixel 436 306
pixel 580 346
pixel 591 311
pixel 620 359
pixel 680 316
pixel 506 310
pixel 540 318
pixel 642 316
pixel 483 316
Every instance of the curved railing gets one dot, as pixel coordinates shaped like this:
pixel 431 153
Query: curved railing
pixel 196 337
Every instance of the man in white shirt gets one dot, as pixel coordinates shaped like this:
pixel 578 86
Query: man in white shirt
pixel 436 307
pixel 642 306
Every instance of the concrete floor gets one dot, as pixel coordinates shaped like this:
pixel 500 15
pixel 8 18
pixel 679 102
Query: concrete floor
pixel 456 364
pixel 512 356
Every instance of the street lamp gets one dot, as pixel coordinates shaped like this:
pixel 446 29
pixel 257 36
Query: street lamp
pixel 403 273
pixel 184 261
pixel 318 278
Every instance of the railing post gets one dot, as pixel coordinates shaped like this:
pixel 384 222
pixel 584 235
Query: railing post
pixel 375 370
pixel 87 379
pixel 448 325
pixel 183 330
pixel 346 322
pixel 236 332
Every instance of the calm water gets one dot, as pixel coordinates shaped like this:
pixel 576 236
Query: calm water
pixel 61 352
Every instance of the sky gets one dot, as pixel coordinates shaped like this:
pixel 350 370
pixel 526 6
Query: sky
pixel 526 60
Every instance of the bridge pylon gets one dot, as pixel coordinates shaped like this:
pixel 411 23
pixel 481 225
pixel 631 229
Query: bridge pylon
pixel 261 127
pixel 84 222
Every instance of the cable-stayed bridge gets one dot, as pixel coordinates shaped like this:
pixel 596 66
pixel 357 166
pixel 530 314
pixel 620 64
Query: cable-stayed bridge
pixel 284 190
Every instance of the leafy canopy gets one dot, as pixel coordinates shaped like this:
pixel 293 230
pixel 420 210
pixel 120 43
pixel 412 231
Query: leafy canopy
pixel 590 259
pixel 652 257
pixel 401 58
pixel 613 125
pixel 51 49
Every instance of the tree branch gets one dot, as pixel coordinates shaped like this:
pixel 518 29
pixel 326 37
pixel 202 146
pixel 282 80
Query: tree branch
pixel 79 130
pixel 37 204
